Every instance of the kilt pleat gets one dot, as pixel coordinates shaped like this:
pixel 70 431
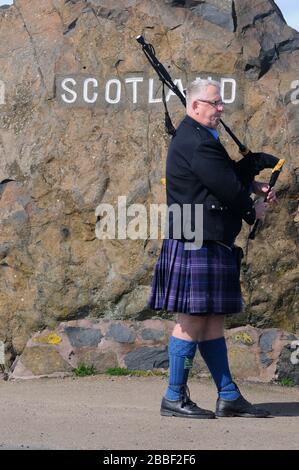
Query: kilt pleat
pixel 202 281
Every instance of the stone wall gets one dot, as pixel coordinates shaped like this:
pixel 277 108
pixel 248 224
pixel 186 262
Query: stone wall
pixel 258 355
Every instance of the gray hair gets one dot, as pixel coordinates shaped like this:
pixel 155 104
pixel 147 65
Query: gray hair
pixel 198 87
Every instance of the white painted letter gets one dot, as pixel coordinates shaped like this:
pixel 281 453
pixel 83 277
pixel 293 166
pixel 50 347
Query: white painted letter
pixel 2 92
pixel 151 98
pixel 72 92
pixel 85 90
pixel 134 80
pixel 118 91
pixel 295 94
pixel 233 90
pixel 179 84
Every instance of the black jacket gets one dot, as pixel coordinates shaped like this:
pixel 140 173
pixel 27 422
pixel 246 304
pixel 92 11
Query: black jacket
pixel 200 171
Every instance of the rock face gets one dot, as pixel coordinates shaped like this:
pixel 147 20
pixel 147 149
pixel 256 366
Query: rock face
pixel 61 154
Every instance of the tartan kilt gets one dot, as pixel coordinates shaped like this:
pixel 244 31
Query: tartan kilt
pixel 198 282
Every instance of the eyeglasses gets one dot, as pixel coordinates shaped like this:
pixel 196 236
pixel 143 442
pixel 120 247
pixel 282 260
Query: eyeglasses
pixel 215 103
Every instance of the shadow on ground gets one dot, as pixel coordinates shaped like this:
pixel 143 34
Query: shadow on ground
pixel 281 409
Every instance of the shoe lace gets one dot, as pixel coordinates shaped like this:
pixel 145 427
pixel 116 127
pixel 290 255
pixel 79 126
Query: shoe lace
pixel 186 400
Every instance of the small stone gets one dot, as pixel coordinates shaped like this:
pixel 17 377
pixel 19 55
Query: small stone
pixel 267 339
pixel 121 334
pixel 152 334
pixel 80 337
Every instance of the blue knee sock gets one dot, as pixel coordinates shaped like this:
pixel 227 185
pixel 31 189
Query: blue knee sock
pixel 181 354
pixel 214 352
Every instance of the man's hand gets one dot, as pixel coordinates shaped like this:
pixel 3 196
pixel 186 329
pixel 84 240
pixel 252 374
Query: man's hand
pixel 260 209
pixel 260 189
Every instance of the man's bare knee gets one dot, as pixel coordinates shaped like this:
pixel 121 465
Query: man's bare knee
pixel 189 327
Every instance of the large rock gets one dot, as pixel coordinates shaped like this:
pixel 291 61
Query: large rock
pixel 101 361
pixel 147 359
pixel 58 162
pixel 44 360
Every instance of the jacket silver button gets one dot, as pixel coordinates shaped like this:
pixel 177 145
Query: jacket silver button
pixel 213 207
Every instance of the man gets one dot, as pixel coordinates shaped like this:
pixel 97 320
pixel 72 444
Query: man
pixel 202 285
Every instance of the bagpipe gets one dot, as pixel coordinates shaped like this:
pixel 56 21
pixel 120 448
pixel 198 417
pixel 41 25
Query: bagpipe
pixel 253 162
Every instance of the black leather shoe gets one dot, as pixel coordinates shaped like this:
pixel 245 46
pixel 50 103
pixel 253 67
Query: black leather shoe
pixel 184 407
pixel 239 407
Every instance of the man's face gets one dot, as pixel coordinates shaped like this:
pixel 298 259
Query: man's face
pixel 205 110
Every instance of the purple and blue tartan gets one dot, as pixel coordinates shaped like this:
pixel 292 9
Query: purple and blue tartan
pixel 199 282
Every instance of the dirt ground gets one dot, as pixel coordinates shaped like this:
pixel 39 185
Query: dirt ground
pixel 102 412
